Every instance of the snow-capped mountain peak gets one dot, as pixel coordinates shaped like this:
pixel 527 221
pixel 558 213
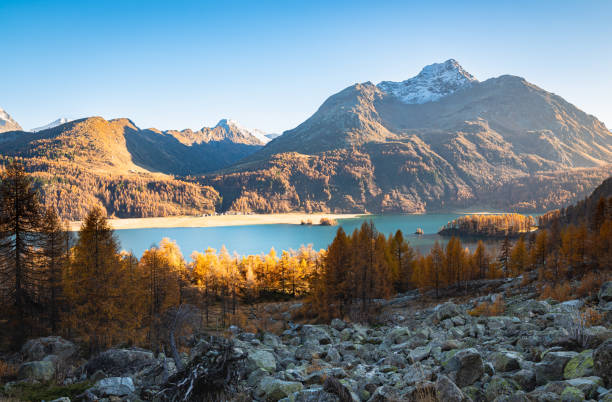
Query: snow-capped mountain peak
pixel 3 115
pixel 229 125
pixel 434 82
pixel 55 123
pixel 7 123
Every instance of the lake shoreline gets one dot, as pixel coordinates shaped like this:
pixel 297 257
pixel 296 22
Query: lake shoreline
pixel 218 220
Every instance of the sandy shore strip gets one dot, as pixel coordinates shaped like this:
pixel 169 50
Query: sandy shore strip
pixel 218 220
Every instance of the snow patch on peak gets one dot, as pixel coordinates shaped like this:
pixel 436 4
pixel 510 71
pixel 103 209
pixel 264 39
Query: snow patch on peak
pixel 7 123
pixel 272 136
pixel 229 124
pixel 58 122
pixel 260 135
pixel 434 82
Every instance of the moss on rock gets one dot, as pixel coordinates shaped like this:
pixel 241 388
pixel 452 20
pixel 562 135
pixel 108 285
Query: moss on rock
pixel 579 366
pixel 571 394
pixel 499 386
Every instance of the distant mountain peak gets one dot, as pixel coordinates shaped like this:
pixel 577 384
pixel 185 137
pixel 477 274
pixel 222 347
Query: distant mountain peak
pixel 434 82
pixel 58 122
pixel 227 123
pixel 233 125
pixel 7 123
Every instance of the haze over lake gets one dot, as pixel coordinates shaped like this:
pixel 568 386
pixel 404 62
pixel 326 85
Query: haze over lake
pixel 256 239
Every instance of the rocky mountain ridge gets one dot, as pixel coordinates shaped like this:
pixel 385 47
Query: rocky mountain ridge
pixel 121 145
pixel 431 84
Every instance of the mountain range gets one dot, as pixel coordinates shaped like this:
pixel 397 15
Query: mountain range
pixel 441 140
pixel 127 170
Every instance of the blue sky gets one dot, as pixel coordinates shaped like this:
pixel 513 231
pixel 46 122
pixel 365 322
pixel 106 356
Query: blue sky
pixel 270 64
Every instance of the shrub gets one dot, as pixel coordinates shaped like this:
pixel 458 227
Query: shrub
pixel 425 392
pixel 577 328
pixel 526 280
pixel 592 317
pixel 335 387
pixel 580 321
pixel 314 367
pixel 328 222
pixel 7 370
pixel 560 292
pixel 489 309
pixel 257 320
pixel 590 284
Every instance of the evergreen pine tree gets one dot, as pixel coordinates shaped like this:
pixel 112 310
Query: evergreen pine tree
pixel 504 256
pixel 599 215
pixel 54 241
pixel 20 225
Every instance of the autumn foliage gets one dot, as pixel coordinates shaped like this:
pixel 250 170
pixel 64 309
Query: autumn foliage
pixel 358 269
pixel 489 225
pixel 73 191
pixel 489 309
pixel 85 288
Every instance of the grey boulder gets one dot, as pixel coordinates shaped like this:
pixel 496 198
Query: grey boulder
pixel 602 361
pixel 445 311
pixel 273 389
pixel 37 349
pixel 121 362
pixel 114 386
pixel 552 365
pixel 261 359
pixel 447 391
pixel 469 366
pixel 37 371
pixel 605 292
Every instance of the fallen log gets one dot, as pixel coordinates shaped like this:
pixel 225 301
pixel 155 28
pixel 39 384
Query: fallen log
pixel 215 372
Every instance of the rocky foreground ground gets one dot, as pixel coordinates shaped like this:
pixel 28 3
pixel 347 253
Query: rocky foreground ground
pixel 537 351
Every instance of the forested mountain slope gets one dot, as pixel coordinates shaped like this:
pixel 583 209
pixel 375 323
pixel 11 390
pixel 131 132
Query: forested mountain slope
pixel 129 171
pixel 589 211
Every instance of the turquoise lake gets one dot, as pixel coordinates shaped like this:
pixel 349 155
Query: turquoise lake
pixel 257 239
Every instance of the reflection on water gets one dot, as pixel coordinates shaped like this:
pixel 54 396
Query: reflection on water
pixel 256 239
